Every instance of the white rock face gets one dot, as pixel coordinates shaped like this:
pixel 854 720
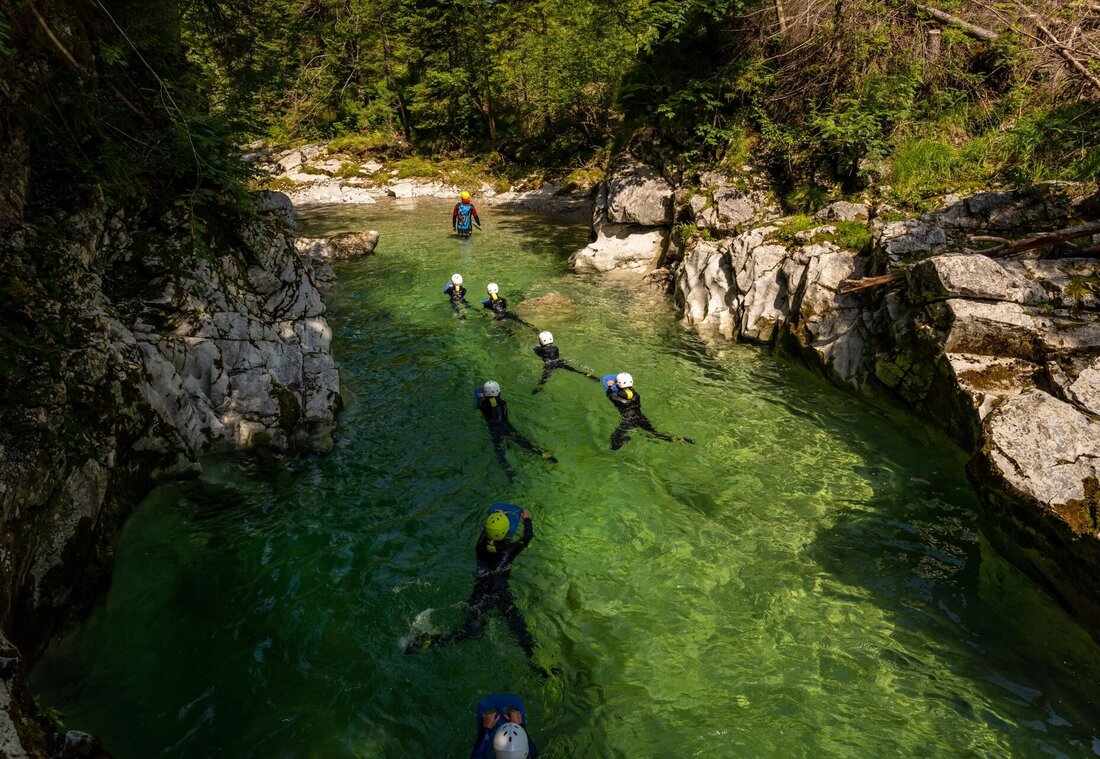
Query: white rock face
pixel 331 192
pixel 1043 447
pixel 621 248
pixel 971 276
pixel 703 285
pixel 750 287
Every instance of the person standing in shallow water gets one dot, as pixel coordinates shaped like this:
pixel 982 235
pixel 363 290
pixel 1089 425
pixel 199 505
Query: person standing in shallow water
pixel 628 402
pixel 506 532
pixel 464 217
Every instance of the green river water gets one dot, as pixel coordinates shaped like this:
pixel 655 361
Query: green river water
pixel 807 580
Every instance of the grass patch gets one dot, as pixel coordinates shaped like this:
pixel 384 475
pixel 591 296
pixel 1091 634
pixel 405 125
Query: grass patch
pixel 361 145
pixel 584 178
pixel 806 198
pixel 349 170
pixel 850 235
pixel 276 184
pixel 793 225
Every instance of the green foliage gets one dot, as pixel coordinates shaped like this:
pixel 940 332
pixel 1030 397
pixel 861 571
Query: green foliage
pixel 361 145
pixel 793 225
pixel 922 168
pixel 850 235
pixel 807 198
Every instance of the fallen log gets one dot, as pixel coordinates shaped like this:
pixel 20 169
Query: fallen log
pixel 849 286
pixel 978 32
pixel 1066 53
pixel 1059 244
pixel 1041 240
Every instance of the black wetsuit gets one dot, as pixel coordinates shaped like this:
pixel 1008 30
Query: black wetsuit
pixel 629 404
pixel 491 591
pixel 457 294
pixel 495 411
pixel 551 360
pixel 499 307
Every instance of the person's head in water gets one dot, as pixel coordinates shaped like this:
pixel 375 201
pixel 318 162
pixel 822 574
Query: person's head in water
pixel 456 280
pixel 624 380
pixel 465 197
pixel 510 742
pixel 497 526
pixel 492 289
pixel 545 338
pixel 490 389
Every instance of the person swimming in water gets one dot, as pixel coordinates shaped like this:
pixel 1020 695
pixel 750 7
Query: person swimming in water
pixel 628 402
pixel 495 410
pixel 551 360
pixel 507 530
pixel 502 729
pixel 498 305
pixel 457 293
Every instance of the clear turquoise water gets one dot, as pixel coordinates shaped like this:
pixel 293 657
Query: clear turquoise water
pixel 806 581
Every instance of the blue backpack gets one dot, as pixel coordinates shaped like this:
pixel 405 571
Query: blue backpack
pixel 465 217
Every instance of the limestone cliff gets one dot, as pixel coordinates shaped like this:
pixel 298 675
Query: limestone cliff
pixel 146 354
pixel 1003 353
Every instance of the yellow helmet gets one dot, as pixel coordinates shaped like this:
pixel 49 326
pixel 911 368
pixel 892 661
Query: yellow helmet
pixel 465 195
pixel 497 525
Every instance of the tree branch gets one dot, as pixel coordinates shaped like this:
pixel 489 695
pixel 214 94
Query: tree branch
pixel 1064 51
pixel 943 17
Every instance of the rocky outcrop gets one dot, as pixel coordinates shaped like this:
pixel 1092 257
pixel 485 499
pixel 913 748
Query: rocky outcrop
pixel 636 208
pixel 1003 354
pixel 622 247
pixel 144 355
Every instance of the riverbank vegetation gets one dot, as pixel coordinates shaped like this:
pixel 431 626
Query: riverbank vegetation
pixel 829 95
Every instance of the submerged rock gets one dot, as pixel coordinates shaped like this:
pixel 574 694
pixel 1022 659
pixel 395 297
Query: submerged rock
pixel 339 247
pixel 552 303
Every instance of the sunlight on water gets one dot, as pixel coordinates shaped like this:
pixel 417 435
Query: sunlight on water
pixel 805 581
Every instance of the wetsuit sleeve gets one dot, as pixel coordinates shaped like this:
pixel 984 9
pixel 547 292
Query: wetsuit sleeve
pixel 483 747
pixel 447 289
pixel 474 212
pixel 528 534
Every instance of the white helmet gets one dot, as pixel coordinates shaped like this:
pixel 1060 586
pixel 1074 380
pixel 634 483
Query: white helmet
pixel 545 338
pixel 456 279
pixel 490 389
pixel 492 288
pixel 510 742
pixel 622 379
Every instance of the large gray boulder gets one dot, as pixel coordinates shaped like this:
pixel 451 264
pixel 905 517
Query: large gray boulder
pixel 621 248
pixel 970 276
pixel 638 195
